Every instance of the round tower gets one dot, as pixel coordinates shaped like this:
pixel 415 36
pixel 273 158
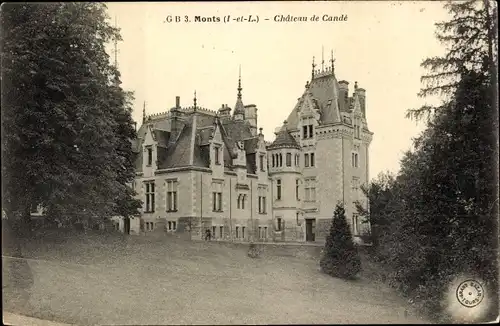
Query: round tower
pixel 284 169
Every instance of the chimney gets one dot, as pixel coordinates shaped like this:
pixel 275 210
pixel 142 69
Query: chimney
pixel 177 102
pixel 343 95
pixel 362 99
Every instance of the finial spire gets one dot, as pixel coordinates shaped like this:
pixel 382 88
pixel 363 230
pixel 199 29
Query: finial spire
pixel 144 112
pixel 332 61
pixel 322 58
pixel 239 83
pixel 194 99
pixel 313 68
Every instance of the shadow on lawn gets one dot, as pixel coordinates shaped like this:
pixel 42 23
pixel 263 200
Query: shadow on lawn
pixel 17 276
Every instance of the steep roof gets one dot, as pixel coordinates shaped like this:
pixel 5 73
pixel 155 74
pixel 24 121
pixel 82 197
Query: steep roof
pixel 324 91
pixel 188 148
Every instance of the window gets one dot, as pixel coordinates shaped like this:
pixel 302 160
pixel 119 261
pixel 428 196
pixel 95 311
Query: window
pixel 214 229
pixel 355 185
pixel 217 201
pixel 311 134
pixel 355 160
pixel 237 232
pixel 297 189
pixel 272 160
pixel 278 189
pixel 171 225
pixel 171 195
pixel 34 208
pixel 243 232
pixel 312 159
pixel 288 159
pixel 355 224
pixel 262 204
pixel 150 155
pixel 304 132
pixel 217 155
pixel 306 160
pixel 241 201
pixel 278 224
pixel 310 189
pixel 265 232
pixel 297 217
pixel 149 226
pixel 150 196
pixel 297 159
pixel 261 162
pixel 281 160
pixel 221 231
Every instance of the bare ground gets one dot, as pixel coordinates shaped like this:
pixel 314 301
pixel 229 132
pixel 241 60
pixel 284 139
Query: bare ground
pixel 97 279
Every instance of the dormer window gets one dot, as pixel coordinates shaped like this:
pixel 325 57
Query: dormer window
pixel 217 155
pixel 149 150
pixel 288 159
pixel 261 162
pixel 311 131
pixel 304 132
pixel 307 131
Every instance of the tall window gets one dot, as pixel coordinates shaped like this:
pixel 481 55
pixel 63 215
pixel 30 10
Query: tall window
pixel 150 155
pixel 297 189
pixel 237 232
pixel 312 159
pixel 281 160
pixel 171 225
pixel 288 159
pixel 243 232
pixel 311 131
pixel 304 132
pixel 355 160
pixel 217 201
pixel 261 162
pixel 297 159
pixel 306 160
pixel 150 196
pixel 355 185
pixel 241 201
pixel 278 189
pixel 273 157
pixel 171 196
pixel 217 155
pixel 355 224
pixel 310 189
pixel 279 223
pixel 262 204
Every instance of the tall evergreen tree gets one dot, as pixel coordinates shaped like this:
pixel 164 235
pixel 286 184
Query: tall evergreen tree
pixel 340 255
pixel 66 122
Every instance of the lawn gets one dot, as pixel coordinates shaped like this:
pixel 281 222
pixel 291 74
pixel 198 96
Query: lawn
pixel 96 279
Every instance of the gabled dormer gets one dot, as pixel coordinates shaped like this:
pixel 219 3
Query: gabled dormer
pixel 240 161
pixel 308 116
pixel 261 155
pixel 149 148
pixel 217 148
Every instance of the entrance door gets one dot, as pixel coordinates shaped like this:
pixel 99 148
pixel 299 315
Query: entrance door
pixel 310 228
pixel 126 225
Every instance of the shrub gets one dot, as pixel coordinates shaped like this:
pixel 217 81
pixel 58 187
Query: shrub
pixel 340 256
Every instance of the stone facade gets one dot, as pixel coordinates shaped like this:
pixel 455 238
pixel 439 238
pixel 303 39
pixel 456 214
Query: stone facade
pixel 201 170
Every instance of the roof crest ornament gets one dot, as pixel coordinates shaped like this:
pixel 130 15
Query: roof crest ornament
pixel 144 112
pixel 239 83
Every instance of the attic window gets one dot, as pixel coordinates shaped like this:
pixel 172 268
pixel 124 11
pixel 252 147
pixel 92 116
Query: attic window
pixel 217 155
pixel 150 155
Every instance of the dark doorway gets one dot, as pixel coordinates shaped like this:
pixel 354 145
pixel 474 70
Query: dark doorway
pixel 126 225
pixel 310 226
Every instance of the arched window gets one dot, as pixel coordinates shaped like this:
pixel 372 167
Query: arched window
pixel 281 160
pixel 273 159
pixel 288 159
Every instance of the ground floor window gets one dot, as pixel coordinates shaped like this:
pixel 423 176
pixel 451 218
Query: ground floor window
pixel 214 229
pixel 243 232
pixel 237 232
pixel 171 225
pixel 148 226
pixel 262 232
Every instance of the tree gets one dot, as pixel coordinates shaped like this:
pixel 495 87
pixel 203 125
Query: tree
pixel 340 255
pixel 379 215
pixel 446 194
pixel 66 122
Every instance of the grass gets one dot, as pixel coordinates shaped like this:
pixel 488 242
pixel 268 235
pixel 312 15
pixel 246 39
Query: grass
pixel 97 279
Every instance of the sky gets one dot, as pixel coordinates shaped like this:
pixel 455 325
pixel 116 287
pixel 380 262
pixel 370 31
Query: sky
pixel 380 45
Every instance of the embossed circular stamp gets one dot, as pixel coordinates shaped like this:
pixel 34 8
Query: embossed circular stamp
pixel 470 293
